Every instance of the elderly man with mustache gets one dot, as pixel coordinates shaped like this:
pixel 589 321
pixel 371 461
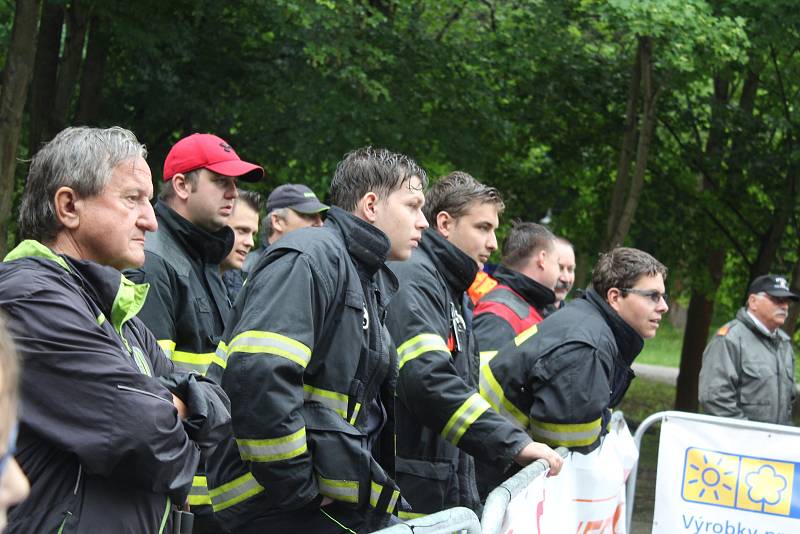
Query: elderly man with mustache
pixel 748 368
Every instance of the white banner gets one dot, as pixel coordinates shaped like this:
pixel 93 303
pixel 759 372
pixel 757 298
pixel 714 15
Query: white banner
pixel 717 479
pixel 587 496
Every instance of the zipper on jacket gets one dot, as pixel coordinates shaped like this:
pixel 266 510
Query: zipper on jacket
pixel 143 392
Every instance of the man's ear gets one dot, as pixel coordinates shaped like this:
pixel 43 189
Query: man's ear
pixel 276 222
pixel 613 297
pixel 367 207
pixel 181 186
pixel 67 207
pixel 445 223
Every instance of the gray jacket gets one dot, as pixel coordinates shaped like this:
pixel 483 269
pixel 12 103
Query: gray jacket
pixel 747 374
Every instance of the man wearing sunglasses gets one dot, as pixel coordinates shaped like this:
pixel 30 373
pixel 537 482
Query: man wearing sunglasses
pixel 748 368
pixel 561 381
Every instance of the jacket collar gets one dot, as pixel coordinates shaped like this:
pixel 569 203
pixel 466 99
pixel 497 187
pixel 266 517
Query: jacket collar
pixel 629 342
pixel 368 246
pixel 529 289
pixel 117 297
pixel 745 318
pixel 210 247
pixel 456 266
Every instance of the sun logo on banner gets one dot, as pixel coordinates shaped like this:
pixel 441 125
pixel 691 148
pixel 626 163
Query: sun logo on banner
pixel 742 482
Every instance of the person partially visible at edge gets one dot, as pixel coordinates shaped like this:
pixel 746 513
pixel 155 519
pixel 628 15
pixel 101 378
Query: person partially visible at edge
pixel 525 280
pixel 14 486
pixel 311 370
pixel 289 207
pixel 187 306
pixel 110 433
pixel 244 223
pixel 748 367
pixel 561 382
pixel 444 425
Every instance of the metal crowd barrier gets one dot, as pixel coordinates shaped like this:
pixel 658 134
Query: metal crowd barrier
pixel 494 511
pixel 447 521
pixel 658 417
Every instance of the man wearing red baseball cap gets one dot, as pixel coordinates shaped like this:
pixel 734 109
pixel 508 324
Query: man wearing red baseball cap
pixel 187 305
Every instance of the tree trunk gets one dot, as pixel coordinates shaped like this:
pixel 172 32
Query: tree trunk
pixel 45 73
pixel 89 101
pixel 790 326
pixel 16 77
pixel 698 322
pixel 70 67
pixel 626 151
pixel 643 149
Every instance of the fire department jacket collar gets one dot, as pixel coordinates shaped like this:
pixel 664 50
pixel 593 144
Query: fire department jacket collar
pixel 456 266
pixel 368 246
pixel 118 298
pixel 629 342
pixel 211 247
pixel 532 291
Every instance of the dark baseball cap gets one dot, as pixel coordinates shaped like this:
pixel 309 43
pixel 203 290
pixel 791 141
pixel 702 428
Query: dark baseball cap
pixel 207 151
pixel 295 196
pixel 774 285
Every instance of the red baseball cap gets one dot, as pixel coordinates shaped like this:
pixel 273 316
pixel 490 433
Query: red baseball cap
pixel 206 151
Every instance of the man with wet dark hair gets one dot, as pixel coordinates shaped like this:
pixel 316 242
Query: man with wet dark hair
pixel 309 367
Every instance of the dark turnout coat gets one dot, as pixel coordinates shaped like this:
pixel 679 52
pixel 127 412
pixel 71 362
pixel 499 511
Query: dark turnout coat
pixel 100 439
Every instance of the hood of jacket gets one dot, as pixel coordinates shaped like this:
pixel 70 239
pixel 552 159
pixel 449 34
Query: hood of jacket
pixel 456 266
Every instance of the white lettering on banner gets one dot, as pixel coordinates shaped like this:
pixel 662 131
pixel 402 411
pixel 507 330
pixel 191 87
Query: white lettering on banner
pixel 715 478
pixel 587 496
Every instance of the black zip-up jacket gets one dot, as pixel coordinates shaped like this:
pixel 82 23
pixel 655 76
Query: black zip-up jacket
pixel 100 439
pixel 493 331
pixel 562 382
pixel 308 361
pixel 442 421
pixel 187 306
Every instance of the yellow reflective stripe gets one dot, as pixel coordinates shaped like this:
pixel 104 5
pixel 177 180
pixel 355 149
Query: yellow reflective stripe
pixel 193 358
pixel 492 391
pixel 340 490
pixel 487 355
pixel 234 492
pixel 101 319
pixel 419 345
pixel 258 342
pixel 198 495
pixel 375 494
pixel 273 449
pixel 566 434
pixel 355 413
pixel 525 334
pixel 462 419
pixel 167 345
pixel 333 400
pixel 409 515
pixel 220 357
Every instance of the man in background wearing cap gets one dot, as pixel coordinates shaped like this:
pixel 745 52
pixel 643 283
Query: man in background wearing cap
pixel 187 306
pixel 291 207
pixel 748 368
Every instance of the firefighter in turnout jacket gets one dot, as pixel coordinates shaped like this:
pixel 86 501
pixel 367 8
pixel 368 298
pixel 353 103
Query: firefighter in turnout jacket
pixel 561 383
pixel 442 419
pixel 525 280
pixel 311 370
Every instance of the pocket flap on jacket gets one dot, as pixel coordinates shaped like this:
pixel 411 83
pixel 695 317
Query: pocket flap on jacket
pixel 425 469
pixel 354 299
pixel 320 417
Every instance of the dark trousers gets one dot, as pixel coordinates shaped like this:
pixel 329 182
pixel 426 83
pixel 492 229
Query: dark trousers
pixel 336 518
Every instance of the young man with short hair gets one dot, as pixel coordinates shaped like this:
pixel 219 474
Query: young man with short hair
pixel 244 223
pixel 442 420
pixel 310 369
pixel 523 288
pixel 562 381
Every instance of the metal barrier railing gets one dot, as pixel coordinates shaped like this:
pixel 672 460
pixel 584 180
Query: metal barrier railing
pixel 658 417
pixel 445 522
pixel 494 510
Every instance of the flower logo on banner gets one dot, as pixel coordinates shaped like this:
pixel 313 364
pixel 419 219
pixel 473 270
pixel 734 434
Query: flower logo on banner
pixel 765 486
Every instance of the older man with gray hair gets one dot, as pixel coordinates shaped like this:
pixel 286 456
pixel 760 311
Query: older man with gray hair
pixel 110 434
